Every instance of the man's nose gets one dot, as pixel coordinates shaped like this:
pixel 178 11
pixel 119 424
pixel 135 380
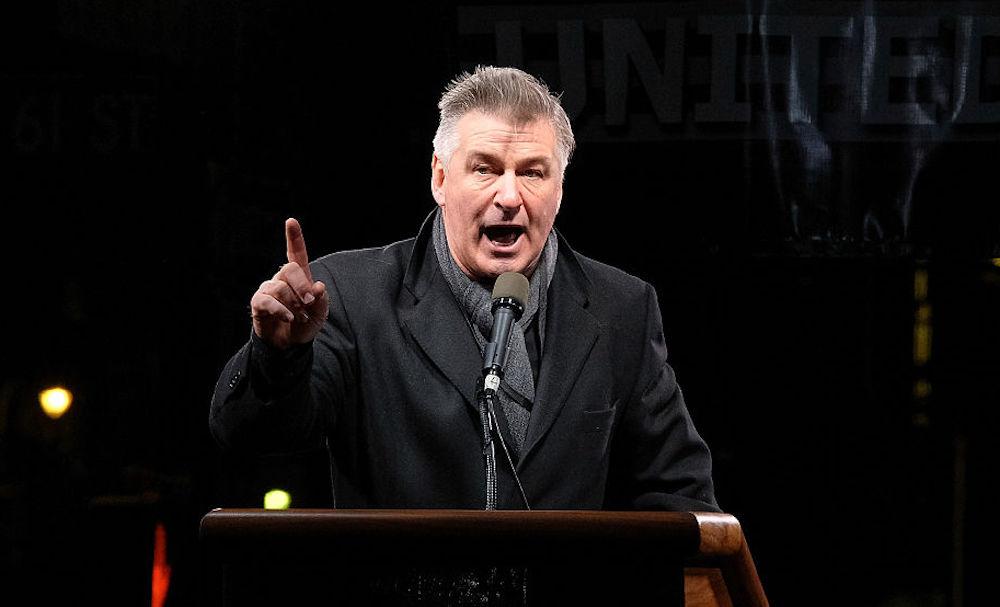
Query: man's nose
pixel 507 195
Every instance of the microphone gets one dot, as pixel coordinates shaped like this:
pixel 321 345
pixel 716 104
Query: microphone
pixel 510 295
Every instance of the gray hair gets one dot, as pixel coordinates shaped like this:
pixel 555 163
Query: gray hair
pixel 506 93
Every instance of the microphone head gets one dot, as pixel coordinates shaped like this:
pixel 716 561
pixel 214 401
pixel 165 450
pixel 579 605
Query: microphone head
pixel 511 285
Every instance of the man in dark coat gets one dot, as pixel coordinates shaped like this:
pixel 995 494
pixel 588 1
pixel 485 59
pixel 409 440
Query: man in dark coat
pixel 377 353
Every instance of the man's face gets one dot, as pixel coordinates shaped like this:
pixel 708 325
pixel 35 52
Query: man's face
pixel 499 194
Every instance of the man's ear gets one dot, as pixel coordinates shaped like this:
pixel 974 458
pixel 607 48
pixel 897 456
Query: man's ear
pixel 437 179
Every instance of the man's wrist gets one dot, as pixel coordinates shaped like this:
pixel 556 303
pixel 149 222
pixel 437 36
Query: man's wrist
pixel 278 367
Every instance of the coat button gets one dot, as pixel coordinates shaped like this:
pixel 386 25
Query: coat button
pixel 234 379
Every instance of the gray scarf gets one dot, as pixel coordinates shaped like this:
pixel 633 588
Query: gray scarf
pixel 517 392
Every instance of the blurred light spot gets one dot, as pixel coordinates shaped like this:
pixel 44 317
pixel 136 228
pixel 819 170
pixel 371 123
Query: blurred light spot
pixel 995 261
pixel 55 401
pixel 161 568
pixel 921 389
pixel 276 499
pixel 924 313
pixel 921 344
pixel 920 285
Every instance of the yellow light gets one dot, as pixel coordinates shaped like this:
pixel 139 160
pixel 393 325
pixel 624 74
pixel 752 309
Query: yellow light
pixel 921 344
pixel 921 389
pixel 920 285
pixel 924 313
pixel 276 499
pixel 55 401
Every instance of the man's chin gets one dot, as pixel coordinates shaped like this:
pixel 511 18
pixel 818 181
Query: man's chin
pixel 496 267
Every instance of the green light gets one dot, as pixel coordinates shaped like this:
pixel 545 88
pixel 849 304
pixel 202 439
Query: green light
pixel 276 499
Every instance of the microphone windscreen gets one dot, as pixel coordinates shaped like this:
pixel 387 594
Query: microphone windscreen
pixel 513 285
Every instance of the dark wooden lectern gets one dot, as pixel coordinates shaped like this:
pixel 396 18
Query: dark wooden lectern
pixel 553 557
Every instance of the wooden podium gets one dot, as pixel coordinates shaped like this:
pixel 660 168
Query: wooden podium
pixel 555 557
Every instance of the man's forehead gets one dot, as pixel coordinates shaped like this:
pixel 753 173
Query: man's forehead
pixel 477 128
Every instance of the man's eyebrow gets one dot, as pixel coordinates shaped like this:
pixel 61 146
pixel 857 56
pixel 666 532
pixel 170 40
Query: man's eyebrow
pixel 545 161
pixel 478 156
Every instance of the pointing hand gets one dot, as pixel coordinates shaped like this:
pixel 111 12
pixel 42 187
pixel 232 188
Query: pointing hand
pixel 290 308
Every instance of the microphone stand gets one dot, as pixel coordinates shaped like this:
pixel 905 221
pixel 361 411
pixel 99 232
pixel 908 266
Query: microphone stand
pixel 487 399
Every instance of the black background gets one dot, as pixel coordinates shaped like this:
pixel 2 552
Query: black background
pixel 151 151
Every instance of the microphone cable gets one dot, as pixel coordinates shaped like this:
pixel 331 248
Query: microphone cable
pixel 510 461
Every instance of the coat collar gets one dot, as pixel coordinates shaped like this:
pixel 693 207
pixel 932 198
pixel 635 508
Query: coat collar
pixel 428 308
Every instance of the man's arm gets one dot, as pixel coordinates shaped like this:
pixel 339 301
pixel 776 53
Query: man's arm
pixel 263 400
pixel 659 461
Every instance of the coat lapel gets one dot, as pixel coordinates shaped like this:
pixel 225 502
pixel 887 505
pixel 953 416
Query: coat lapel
pixel 428 309
pixel 430 312
pixel 570 335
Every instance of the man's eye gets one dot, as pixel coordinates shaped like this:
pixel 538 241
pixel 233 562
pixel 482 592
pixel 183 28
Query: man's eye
pixel 534 173
pixel 482 169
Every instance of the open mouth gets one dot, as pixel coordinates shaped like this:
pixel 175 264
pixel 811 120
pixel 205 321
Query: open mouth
pixel 503 235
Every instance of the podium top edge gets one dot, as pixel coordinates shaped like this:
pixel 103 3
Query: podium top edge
pixel 680 529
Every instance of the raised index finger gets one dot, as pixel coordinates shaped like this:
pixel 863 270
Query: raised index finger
pixel 295 245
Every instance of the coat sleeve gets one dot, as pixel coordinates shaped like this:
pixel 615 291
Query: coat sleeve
pixel 272 401
pixel 659 461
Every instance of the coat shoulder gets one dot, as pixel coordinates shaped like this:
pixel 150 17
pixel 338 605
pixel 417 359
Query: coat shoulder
pixel 610 286
pixel 369 266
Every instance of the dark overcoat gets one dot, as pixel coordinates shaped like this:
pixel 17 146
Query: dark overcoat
pixel 389 387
